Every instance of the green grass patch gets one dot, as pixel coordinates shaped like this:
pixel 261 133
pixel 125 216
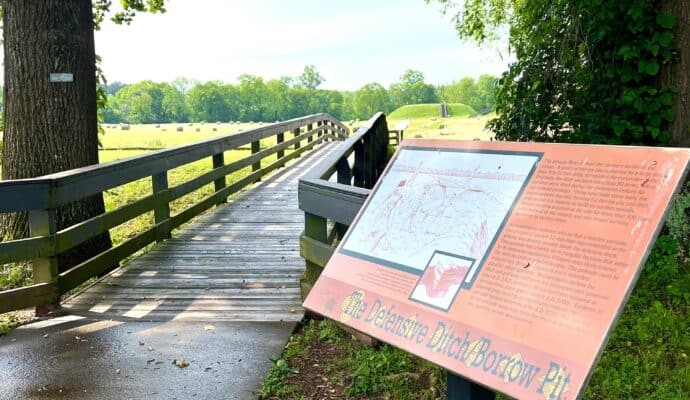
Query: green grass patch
pixel 430 111
pixel 322 359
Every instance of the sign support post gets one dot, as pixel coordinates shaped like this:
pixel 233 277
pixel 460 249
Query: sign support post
pixel 460 388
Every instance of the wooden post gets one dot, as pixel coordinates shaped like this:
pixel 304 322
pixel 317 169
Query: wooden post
pixel 310 138
pixel 368 160
pixel 161 213
pixel 280 139
pixel 219 184
pixel 45 269
pixel 359 164
pixel 296 133
pixel 315 228
pixel 344 177
pixel 325 130
pixel 344 172
pixel 256 146
pixel 461 389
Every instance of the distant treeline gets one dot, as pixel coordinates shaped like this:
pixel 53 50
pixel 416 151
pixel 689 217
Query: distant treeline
pixel 253 99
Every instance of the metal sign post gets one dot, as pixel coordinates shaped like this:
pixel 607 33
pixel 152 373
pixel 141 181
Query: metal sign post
pixel 460 388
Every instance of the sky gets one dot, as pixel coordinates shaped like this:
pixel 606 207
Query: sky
pixel 350 42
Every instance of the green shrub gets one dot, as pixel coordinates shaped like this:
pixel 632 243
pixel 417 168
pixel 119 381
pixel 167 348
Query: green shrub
pixel 647 353
pixel 14 276
pixel 678 222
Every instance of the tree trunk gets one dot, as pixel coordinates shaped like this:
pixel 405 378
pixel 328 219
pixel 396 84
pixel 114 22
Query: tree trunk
pixel 677 74
pixel 50 126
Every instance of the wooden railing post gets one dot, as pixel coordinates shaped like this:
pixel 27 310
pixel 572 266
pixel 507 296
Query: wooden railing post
pixel 359 164
pixel 296 133
pixel 161 213
pixel 280 138
pixel 45 269
pixel 382 149
pixel 344 172
pixel 310 138
pixel 344 177
pixel 219 184
pixel 314 228
pixel 369 164
pixel 256 147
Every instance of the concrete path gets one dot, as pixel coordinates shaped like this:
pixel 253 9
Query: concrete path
pixel 186 320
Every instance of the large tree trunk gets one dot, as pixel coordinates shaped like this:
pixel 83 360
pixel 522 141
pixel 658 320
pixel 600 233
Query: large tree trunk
pixel 50 126
pixel 678 73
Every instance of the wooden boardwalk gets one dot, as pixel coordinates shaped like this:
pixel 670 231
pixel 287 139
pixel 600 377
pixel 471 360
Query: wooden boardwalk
pixel 239 262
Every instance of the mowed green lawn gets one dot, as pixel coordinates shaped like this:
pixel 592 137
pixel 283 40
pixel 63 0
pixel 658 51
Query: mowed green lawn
pixel 455 128
pixel 116 141
pixel 425 121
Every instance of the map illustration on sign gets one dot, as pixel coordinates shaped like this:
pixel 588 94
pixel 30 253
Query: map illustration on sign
pixel 437 214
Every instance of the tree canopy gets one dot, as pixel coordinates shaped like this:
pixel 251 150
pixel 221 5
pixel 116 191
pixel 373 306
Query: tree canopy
pixel 586 70
pixel 252 98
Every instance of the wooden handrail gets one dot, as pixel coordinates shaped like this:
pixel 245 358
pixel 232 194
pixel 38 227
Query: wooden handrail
pixel 41 196
pixel 356 163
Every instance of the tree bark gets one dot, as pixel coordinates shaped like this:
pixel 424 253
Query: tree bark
pixel 677 74
pixel 50 126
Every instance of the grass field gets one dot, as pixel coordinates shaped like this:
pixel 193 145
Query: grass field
pixel 431 110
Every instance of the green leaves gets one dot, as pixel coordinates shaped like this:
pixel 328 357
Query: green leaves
pixel 650 67
pixel 666 20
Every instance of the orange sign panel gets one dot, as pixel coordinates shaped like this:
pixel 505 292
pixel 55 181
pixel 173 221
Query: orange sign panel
pixel 506 263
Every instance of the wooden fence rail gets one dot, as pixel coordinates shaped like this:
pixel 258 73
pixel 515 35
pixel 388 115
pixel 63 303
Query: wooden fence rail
pixel 41 196
pixel 334 191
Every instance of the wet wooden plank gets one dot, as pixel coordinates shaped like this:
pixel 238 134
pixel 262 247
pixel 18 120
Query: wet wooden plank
pixel 238 263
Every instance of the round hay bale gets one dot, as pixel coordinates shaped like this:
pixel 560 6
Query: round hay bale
pixel 180 128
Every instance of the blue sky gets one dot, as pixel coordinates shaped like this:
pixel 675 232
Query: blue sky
pixel 351 42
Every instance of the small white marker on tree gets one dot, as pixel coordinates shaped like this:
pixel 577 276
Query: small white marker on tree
pixel 61 77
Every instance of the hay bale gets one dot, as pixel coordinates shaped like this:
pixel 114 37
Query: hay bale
pixel 164 130
pixel 214 129
pixel 158 125
pixel 124 127
pixel 198 129
pixel 180 128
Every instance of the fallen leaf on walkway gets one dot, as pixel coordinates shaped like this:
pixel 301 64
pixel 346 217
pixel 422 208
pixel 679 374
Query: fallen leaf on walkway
pixel 181 363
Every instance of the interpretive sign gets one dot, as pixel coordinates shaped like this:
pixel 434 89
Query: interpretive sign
pixel 506 263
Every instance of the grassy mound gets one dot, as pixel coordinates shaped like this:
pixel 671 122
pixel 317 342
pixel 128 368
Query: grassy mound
pixel 413 111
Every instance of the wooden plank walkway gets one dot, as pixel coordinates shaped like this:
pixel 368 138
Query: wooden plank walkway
pixel 240 262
